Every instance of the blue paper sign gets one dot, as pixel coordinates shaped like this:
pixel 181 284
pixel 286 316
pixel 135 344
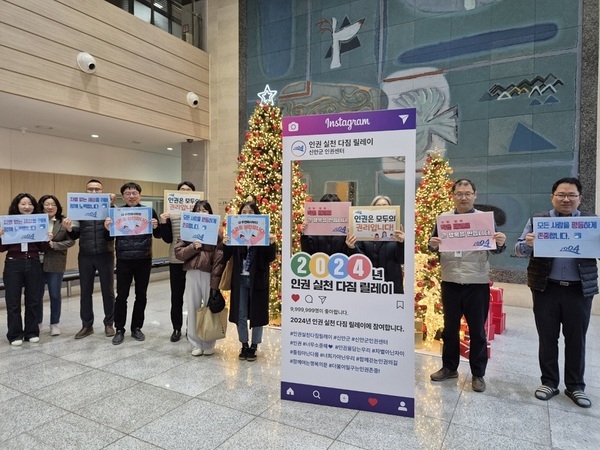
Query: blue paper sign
pixel 130 221
pixel 87 206
pixel 20 228
pixel 566 237
pixel 200 227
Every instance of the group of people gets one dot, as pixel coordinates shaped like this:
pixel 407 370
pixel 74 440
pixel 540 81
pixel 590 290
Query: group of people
pixel 562 288
pixel 195 271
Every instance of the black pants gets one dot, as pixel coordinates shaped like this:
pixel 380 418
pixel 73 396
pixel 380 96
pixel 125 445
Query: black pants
pixel 129 270
pixel 104 263
pixel 472 301
pixel 564 305
pixel 22 275
pixel 177 279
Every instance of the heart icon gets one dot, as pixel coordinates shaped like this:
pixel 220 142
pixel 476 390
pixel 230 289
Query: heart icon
pixel 372 401
pixel 295 297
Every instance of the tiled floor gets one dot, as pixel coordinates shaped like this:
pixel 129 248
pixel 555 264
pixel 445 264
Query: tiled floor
pixel 88 394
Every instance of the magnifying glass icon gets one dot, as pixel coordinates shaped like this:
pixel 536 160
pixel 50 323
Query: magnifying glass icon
pixel 317 394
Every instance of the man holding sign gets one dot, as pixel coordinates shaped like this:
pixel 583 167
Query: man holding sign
pixel 465 291
pixel 562 289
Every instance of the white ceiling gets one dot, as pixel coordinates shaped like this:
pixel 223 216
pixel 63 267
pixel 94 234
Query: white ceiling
pixel 32 116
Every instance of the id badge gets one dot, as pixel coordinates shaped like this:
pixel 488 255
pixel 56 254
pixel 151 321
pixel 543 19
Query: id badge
pixel 24 247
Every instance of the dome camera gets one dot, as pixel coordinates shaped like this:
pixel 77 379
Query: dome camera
pixel 86 62
pixel 192 99
pixel 189 140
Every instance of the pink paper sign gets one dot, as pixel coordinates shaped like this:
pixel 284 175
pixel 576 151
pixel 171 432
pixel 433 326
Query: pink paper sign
pixel 466 232
pixel 326 218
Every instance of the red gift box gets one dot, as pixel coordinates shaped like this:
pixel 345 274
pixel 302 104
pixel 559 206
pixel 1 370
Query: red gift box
pixel 499 323
pixel 496 309
pixel 497 294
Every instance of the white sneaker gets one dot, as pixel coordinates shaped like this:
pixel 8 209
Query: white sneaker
pixel 209 352
pixel 54 330
pixel 17 342
pixel 34 339
pixel 197 352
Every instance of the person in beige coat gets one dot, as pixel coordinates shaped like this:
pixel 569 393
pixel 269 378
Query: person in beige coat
pixel 203 266
pixel 54 262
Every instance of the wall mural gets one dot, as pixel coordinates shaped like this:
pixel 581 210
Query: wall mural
pixel 494 83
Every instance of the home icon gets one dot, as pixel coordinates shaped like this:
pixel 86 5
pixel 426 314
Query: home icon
pixel 290 391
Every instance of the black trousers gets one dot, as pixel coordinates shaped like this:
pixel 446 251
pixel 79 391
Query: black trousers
pixel 177 279
pixel 472 301
pixel 104 263
pixel 22 275
pixel 566 306
pixel 129 270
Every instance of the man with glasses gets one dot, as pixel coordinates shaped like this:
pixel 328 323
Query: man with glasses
pixel 562 291
pixel 465 291
pixel 134 263
pixel 96 253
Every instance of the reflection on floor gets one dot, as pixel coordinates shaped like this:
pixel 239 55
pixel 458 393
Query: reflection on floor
pixel 66 393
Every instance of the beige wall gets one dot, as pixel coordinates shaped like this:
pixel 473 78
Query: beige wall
pixel 143 73
pixel 214 169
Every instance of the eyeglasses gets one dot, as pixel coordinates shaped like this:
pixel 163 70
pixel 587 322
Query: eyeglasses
pixel 131 194
pixel 463 194
pixel 564 196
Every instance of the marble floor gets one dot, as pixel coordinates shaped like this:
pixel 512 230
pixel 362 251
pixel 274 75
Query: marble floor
pixel 63 393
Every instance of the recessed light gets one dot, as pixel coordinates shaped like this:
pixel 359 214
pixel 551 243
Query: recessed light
pixel 43 127
pixel 95 136
pixel 194 154
pixel 170 149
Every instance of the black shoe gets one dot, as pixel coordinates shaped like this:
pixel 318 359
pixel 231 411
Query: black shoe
pixel 176 335
pixel 443 374
pixel 244 352
pixel 251 355
pixel 478 384
pixel 138 335
pixel 119 336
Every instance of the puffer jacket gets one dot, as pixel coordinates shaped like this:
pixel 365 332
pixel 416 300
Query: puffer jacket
pixel 209 258
pixel 137 246
pixel 94 239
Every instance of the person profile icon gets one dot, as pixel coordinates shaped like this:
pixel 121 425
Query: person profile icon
pixel 402 407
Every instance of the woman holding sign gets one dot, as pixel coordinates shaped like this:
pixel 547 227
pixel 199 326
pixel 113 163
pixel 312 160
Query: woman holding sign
pixel 54 261
pixel 22 270
pixel 203 265
pixel 250 287
pixel 387 254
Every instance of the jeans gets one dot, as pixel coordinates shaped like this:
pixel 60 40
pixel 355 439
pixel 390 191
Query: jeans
pixel 129 270
pixel 104 263
pixel 177 279
pixel 54 282
pixel 19 274
pixel 242 324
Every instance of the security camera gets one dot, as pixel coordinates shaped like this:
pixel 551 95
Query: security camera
pixel 86 62
pixel 192 99
pixel 189 140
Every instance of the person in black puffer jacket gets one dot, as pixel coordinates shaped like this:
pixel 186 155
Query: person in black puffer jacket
pixel 134 263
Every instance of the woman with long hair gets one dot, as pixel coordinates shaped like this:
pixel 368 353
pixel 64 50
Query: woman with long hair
pixel 54 261
pixel 250 287
pixel 22 271
pixel 203 265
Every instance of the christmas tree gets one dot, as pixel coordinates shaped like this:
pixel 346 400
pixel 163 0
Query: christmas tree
pixel 432 198
pixel 259 179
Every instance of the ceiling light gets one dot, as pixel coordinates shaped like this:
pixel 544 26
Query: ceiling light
pixel 170 149
pixel 43 127
pixel 194 154
pixel 95 136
